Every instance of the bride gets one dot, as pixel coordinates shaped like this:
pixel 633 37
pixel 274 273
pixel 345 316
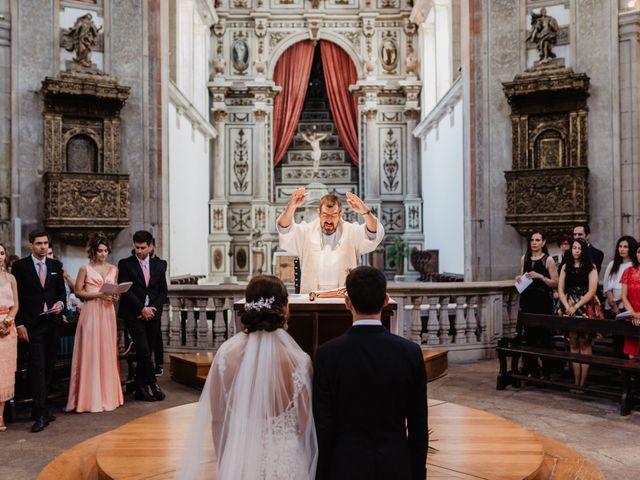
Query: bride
pixel 254 417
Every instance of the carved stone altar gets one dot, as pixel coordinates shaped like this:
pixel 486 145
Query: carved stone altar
pixel 548 187
pixel 83 188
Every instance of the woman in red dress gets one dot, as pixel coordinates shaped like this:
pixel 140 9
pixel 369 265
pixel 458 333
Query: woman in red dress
pixel 631 297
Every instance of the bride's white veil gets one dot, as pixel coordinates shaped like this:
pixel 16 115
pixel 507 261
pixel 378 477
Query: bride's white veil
pixel 254 417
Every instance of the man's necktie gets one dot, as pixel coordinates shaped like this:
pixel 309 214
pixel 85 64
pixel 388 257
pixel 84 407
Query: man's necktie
pixel 145 272
pixel 41 274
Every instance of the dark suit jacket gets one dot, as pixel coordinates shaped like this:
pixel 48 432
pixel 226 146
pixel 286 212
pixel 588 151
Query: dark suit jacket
pixel 367 385
pixel 32 295
pixel 597 256
pixel 132 302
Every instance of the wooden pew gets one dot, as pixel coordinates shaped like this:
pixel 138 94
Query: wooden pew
pixel 515 348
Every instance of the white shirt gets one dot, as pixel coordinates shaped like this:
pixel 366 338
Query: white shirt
pixel 359 323
pixel 36 262
pixel 613 283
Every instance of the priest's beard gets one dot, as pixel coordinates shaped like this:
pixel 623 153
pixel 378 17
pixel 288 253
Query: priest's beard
pixel 329 228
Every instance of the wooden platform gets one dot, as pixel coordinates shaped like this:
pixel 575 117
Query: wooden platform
pixel 192 368
pixel 471 444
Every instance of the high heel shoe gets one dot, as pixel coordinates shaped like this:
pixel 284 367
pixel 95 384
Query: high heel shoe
pixel 3 427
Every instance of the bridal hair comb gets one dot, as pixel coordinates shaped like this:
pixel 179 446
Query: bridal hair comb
pixel 260 304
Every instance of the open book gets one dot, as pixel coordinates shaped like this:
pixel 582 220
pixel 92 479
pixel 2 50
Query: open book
pixel 111 289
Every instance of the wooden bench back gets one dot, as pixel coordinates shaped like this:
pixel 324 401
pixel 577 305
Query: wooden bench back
pixel 578 324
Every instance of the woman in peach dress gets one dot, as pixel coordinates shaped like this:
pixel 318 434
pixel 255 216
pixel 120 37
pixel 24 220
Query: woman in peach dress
pixel 8 343
pixel 95 374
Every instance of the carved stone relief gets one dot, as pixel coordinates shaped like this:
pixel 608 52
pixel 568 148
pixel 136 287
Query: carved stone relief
pixel 240 145
pixel 240 219
pixel 393 218
pixel 391 158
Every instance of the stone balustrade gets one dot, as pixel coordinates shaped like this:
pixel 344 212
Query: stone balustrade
pixel 465 318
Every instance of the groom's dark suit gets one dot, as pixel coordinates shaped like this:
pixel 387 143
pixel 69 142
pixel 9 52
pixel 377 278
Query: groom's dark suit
pixel 370 407
pixel 43 330
pixel 143 332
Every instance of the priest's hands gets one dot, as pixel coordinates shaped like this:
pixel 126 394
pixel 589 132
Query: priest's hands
pixel 356 204
pixel 298 197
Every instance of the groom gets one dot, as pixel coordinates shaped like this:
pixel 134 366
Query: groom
pixel 370 394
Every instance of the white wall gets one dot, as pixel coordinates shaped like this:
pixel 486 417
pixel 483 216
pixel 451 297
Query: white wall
pixel 442 182
pixel 188 196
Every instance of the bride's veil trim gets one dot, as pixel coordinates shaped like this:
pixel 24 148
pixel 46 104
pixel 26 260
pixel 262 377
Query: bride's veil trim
pixel 256 409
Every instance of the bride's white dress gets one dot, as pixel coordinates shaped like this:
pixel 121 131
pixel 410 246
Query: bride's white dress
pixel 256 407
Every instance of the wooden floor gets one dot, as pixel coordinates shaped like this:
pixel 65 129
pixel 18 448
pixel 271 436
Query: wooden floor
pixel 470 443
pixel 192 368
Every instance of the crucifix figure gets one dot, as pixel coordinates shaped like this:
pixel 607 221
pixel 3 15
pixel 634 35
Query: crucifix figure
pixel 313 137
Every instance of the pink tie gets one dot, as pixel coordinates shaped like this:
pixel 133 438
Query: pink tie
pixel 145 272
pixel 41 274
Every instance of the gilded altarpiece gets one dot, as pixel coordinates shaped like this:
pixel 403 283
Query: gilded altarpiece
pixel 548 186
pixel 84 190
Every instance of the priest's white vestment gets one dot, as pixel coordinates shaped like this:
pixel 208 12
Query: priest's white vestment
pixel 325 260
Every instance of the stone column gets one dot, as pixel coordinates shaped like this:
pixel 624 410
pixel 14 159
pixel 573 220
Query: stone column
pixel 5 129
pixel 413 156
pixel 219 238
pixel 629 47
pixel 218 173
pixel 260 178
pixel 372 158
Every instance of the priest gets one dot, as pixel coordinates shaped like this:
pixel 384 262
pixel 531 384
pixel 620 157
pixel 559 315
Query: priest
pixel 328 247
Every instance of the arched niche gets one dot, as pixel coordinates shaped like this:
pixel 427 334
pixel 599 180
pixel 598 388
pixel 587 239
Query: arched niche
pixel 81 154
pixel 323 35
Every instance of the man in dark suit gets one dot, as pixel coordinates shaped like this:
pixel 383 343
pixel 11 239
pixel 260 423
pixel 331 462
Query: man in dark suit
pixel 370 394
pixel 141 308
pixel 597 255
pixel 40 283
pixel 158 350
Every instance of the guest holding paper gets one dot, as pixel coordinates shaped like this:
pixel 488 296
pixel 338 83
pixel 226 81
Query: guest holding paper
pixel 95 375
pixel 631 298
pixel 538 266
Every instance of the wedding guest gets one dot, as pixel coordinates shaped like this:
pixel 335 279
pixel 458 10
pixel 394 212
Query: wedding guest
pixel 158 350
pixel 538 265
pixel 563 244
pixel 612 287
pixel 42 299
pixel 597 255
pixel 8 334
pixel 631 298
pixel 95 377
pixel 577 289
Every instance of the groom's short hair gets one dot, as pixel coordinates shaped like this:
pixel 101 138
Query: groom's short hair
pixel 367 289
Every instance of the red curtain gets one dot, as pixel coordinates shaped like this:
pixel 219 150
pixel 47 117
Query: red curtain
pixel 292 74
pixel 339 74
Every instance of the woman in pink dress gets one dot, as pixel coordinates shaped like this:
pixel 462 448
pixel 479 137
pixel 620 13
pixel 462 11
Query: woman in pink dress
pixel 8 342
pixel 95 374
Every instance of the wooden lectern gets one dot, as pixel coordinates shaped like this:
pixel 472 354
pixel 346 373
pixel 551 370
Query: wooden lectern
pixel 313 323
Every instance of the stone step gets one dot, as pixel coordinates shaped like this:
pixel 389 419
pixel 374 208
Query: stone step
pixel 331 142
pixel 303 157
pixel 315 104
pixel 315 116
pixel 322 127
pixel 299 175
